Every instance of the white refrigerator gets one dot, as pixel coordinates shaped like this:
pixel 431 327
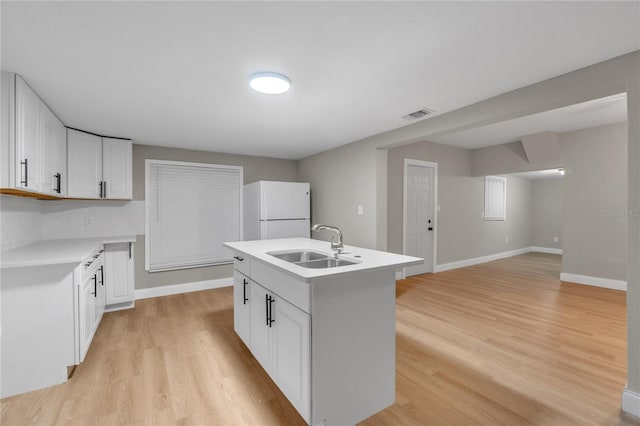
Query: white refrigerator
pixel 276 210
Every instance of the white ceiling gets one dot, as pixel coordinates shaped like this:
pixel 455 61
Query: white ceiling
pixel 598 112
pixel 175 73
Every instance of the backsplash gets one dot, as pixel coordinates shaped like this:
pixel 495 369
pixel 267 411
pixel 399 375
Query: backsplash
pixel 20 219
pixel 84 219
pixel 25 220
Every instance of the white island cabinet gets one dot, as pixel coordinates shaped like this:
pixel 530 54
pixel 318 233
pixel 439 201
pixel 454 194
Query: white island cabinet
pixel 326 336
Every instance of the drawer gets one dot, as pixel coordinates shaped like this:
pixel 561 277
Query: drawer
pixel 292 290
pixel 242 263
pixel 91 263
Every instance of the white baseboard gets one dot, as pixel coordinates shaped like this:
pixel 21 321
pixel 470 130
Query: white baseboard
pixel 546 250
pixel 631 402
pixel 478 260
pixel 167 290
pixel 594 281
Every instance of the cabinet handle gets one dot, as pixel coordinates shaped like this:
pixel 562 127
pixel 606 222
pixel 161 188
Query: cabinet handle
pixel 102 275
pixel 104 188
pixel 25 163
pixel 58 188
pixel 238 258
pixel 244 291
pixel 266 306
pixel 100 185
pixel 95 285
pixel 130 250
pixel 271 320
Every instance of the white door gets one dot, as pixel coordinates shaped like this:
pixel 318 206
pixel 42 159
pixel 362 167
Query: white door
pixel 118 263
pixel 117 171
pixel 101 295
pixel 284 229
pixel 87 318
pixel 419 216
pixel 54 154
pixel 241 307
pixel 284 200
pixel 260 330
pixel 28 137
pixel 84 165
pixel 291 354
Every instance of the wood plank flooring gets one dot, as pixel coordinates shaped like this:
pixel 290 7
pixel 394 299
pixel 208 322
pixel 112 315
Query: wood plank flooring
pixel 503 343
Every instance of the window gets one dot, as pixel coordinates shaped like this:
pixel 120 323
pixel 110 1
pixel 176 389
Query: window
pixel 191 209
pixel 495 198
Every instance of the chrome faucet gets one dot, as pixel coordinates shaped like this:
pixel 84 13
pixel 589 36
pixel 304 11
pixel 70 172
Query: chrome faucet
pixel 338 247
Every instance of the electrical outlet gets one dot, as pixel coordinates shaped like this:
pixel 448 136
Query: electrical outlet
pixel 88 221
pixel 506 239
pixel 360 210
pixel 555 239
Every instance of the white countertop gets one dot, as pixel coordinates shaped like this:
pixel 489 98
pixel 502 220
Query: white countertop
pixel 367 259
pixel 52 252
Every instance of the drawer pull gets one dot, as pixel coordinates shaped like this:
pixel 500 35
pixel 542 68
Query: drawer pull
pixel 238 258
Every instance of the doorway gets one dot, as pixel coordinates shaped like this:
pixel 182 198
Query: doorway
pixel 419 214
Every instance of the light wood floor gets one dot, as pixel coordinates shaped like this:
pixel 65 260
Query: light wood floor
pixel 503 343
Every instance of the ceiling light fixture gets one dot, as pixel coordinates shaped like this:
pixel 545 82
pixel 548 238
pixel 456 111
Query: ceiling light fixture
pixel 270 83
pixel 561 171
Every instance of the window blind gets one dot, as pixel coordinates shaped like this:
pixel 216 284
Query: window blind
pixel 191 209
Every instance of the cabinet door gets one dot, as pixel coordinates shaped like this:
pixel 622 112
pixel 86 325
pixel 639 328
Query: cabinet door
pixel 291 363
pixel 117 171
pixel 100 299
pixel 87 314
pixel 84 165
pixel 28 134
pixel 119 279
pixel 54 154
pixel 241 307
pixel 259 331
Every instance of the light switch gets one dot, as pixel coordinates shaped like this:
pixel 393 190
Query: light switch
pixel 555 239
pixel 360 210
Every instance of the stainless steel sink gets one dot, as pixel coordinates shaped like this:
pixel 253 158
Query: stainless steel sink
pixel 310 259
pixel 326 263
pixel 298 256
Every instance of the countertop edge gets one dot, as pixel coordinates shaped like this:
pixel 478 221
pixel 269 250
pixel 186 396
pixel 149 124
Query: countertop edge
pixel 84 248
pixel 328 274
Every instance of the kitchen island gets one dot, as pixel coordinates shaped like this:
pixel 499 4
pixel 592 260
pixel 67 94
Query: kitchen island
pixel 321 325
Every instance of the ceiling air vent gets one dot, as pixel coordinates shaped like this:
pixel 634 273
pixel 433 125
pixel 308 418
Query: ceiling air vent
pixel 417 115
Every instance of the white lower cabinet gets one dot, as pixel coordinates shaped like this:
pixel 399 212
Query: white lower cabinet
pixel 291 355
pixel 280 341
pixel 91 304
pixel 241 307
pixel 119 275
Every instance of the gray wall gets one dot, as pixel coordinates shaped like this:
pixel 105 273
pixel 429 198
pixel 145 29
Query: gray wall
pixel 341 179
pixel 255 168
pixel 595 161
pixel 546 212
pixel 462 231
pixel 595 201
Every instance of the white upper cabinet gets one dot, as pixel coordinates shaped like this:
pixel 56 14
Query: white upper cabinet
pixel 99 167
pixel 84 163
pixel 38 156
pixel 117 168
pixel 27 136
pixel 54 154
pixel 34 141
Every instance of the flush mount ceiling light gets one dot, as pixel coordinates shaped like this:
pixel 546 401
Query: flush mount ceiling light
pixel 270 83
